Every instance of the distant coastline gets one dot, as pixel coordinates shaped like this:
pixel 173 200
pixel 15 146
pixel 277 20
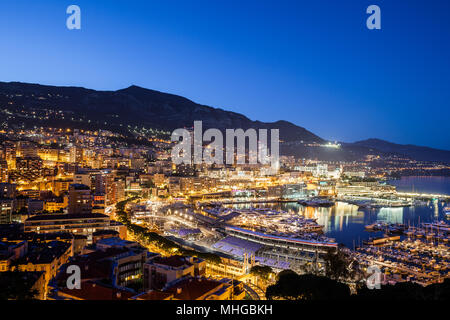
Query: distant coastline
pixel 420 173
pixel 423 184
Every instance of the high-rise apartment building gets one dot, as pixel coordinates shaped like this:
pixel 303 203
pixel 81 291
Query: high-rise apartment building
pixel 80 199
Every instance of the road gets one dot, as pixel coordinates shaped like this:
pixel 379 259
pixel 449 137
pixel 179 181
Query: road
pixel 252 293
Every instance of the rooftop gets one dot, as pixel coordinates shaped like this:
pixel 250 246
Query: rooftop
pixel 79 186
pixel 105 232
pixel 43 253
pixel 116 242
pixel 154 295
pixel 95 291
pixel 71 216
pixel 193 288
pixel 172 261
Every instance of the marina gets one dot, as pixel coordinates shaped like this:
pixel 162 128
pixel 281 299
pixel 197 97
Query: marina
pixel 408 260
pixel 409 242
pixel 278 223
pixel 346 223
pixel 435 231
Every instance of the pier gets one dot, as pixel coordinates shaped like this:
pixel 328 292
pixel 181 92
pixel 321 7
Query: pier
pixel 231 202
pixel 423 196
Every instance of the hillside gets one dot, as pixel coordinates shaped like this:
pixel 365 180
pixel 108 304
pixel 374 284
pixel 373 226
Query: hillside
pixel 136 106
pixel 408 150
pixel 27 105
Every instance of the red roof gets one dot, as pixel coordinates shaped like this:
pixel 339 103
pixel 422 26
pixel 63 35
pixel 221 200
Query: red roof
pixel 154 295
pixel 94 291
pixel 193 288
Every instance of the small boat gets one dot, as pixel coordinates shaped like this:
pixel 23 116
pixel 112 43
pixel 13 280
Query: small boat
pixel 420 234
pixel 446 210
pixel 409 233
pixel 371 227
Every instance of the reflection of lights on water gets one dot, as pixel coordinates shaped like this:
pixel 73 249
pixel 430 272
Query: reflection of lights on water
pixel 435 206
pixel 333 218
pixel 390 215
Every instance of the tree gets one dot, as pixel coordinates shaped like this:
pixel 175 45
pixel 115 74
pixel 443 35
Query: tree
pixel 338 264
pixel 291 286
pixel 16 286
pixel 261 271
pixel 406 291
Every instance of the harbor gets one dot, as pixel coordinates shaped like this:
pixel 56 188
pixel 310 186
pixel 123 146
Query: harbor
pixel 434 231
pixel 346 223
pixel 407 239
pixel 420 261
pixel 271 222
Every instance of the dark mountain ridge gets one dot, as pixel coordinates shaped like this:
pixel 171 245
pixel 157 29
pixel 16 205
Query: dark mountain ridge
pixel 139 107
pixel 412 151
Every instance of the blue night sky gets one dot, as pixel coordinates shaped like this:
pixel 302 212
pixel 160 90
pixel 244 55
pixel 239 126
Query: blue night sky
pixel 313 63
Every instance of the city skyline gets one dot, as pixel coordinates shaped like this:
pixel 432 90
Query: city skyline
pixel 267 152
pixel 299 59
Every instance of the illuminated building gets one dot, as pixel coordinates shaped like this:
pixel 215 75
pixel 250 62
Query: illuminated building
pixel 137 163
pixel 161 271
pixel 274 191
pixel 26 150
pixel 10 155
pixel 82 178
pixel 114 261
pixel 47 257
pixel 80 199
pixel 358 174
pixel 285 252
pixel 49 154
pixel 7 207
pixel 76 154
pixel 293 191
pixel 7 190
pixel 228 268
pixel 30 193
pixel 199 288
pixel 21 202
pixel 103 234
pixel 184 170
pixel 326 188
pixel 104 184
pixel 56 204
pixel 59 186
pixel 117 192
pixel 28 168
pixel 98 203
pixel 127 259
pixel 159 179
pixel 9 251
pixel 84 224
pixel 3 171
